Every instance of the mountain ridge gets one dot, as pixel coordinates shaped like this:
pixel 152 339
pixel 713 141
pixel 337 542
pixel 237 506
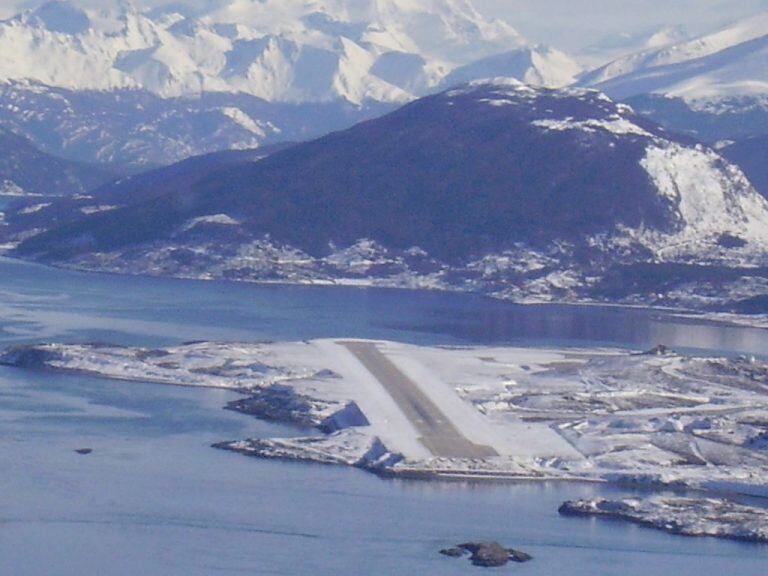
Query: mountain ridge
pixel 713 87
pixel 494 187
pixel 724 64
pixel 27 171
pixel 280 51
pixel 136 89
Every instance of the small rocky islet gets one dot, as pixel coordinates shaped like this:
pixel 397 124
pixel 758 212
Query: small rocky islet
pixel 487 554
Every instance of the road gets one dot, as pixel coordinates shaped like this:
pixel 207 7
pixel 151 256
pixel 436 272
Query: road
pixel 438 433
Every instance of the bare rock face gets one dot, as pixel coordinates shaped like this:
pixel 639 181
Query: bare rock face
pixel 29 357
pixel 487 555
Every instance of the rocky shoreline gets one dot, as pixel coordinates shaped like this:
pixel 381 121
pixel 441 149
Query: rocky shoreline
pixel 700 517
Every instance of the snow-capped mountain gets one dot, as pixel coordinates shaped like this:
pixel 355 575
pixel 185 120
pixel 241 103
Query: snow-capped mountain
pixel 118 85
pixel 537 66
pixel 494 186
pixel 620 45
pixel 714 87
pixel 277 50
pixel 730 63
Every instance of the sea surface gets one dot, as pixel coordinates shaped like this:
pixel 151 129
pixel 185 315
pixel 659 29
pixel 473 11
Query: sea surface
pixel 153 499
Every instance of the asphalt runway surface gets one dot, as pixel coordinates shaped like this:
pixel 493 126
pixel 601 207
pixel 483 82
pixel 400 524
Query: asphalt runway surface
pixel 438 434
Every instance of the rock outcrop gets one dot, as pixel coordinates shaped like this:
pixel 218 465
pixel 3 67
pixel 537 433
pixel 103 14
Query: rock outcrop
pixel 487 554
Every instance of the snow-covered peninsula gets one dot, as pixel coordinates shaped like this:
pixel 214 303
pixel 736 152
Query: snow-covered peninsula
pixel 657 420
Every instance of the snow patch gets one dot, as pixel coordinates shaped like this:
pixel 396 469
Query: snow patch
pixel 614 125
pixel 96 209
pixel 217 219
pixel 34 208
pixel 244 120
pixel 10 188
pixel 712 198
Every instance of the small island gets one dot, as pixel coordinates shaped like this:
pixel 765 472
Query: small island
pixel 487 555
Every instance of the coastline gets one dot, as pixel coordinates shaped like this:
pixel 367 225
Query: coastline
pixel 758 322
pixel 314 386
pixel 318 391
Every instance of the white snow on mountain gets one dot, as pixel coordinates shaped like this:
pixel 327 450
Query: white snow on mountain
pixel 10 188
pixel 535 65
pixel 615 125
pixel 619 45
pixel 278 50
pixel 710 197
pixel 713 198
pixel 667 37
pixel 732 62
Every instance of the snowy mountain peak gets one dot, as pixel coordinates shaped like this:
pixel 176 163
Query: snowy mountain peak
pixel 732 62
pixel 537 66
pixel 277 50
pixel 666 37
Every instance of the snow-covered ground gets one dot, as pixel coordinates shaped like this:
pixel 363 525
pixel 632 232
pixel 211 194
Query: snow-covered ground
pixel 659 420
pixel 523 274
pixel 10 188
pixel 688 516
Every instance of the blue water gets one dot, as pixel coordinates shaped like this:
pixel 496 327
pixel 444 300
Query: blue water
pixel 151 311
pixel 154 499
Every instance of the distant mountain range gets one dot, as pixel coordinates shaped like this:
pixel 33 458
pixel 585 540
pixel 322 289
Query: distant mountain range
pixel 618 45
pixel 276 50
pixel 141 88
pixel 713 87
pixel 729 63
pixel 495 187
pixel 134 130
pixel 136 89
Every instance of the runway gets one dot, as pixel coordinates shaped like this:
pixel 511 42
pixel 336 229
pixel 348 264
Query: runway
pixel 437 433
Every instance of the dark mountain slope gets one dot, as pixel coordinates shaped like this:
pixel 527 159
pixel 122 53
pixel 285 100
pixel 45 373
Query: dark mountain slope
pixel 178 178
pixel 495 186
pixel 751 155
pixel 26 170
pixel 452 174
pixel 134 130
